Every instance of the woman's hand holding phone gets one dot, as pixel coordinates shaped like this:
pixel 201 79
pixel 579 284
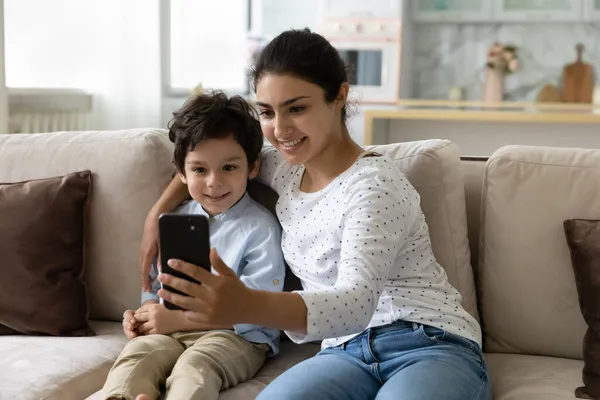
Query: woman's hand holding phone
pixel 220 300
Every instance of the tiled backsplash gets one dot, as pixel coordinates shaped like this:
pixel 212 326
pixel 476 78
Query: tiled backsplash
pixel 449 55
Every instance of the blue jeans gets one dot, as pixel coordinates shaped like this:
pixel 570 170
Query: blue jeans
pixel 403 360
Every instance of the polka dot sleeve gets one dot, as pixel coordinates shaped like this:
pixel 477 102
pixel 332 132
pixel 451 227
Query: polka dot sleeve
pixel 376 223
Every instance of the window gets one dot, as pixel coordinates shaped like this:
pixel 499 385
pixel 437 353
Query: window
pixel 205 42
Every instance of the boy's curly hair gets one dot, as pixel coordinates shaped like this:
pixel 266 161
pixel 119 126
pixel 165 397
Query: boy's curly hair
pixel 214 116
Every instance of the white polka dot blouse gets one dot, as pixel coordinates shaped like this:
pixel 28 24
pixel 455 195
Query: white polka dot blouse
pixel 361 249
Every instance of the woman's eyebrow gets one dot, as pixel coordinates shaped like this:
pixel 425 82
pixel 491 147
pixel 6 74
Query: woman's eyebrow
pixel 285 103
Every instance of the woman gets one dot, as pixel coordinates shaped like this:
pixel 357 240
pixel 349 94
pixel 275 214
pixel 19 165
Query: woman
pixel 391 325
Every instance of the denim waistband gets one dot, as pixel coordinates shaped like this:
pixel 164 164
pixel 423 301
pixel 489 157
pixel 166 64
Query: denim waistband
pixel 448 337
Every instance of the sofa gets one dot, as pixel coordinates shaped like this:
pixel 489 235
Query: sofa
pixel 496 228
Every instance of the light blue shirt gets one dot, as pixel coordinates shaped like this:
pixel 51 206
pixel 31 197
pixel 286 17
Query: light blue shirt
pixel 248 239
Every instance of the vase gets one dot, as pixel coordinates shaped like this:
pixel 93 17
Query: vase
pixel 493 87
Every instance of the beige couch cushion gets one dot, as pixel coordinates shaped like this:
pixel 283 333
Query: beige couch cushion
pixel 130 169
pixel 434 169
pixel 520 377
pixel 528 295
pixel 58 368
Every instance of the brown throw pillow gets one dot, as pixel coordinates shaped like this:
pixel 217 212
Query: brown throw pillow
pixel 41 256
pixel 583 238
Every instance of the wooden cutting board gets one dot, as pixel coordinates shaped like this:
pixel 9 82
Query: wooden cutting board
pixel 578 83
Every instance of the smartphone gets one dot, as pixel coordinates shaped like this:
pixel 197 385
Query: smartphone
pixel 184 237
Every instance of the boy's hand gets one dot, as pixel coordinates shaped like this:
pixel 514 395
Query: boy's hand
pixel 156 319
pixel 130 324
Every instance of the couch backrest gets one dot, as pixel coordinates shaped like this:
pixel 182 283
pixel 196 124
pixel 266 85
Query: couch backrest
pixel 130 169
pixel 528 297
pixel 434 169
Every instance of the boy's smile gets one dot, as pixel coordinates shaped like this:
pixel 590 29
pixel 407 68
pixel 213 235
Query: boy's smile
pixel 215 198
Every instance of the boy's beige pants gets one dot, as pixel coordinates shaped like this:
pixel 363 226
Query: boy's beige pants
pixel 192 365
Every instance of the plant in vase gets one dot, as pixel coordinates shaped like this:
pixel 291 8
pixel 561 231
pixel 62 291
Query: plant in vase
pixel 501 61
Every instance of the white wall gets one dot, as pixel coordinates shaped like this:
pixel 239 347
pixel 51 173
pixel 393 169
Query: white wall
pixel 109 48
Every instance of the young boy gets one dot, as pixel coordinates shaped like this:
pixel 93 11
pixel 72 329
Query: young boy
pixel 217 145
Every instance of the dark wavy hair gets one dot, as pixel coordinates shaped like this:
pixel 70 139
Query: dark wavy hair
pixel 213 115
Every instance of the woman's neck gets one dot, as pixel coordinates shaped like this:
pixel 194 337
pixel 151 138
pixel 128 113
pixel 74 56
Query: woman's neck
pixel 331 162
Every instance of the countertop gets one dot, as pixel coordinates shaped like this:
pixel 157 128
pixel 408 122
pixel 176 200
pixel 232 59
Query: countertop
pixel 479 111
pixel 446 110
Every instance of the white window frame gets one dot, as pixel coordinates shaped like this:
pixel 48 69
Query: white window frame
pixel 165 52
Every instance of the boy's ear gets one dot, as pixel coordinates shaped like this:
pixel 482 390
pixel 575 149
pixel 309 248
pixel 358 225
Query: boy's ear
pixel 254 170
pixel 182 177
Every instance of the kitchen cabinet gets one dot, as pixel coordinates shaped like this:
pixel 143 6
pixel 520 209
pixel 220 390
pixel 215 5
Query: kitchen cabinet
pixel 505 10
pixel 452 10
pixel 538 10
pixel 591 10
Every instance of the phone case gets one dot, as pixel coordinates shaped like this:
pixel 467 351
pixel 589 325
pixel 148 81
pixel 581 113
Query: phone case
pixel 185 237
